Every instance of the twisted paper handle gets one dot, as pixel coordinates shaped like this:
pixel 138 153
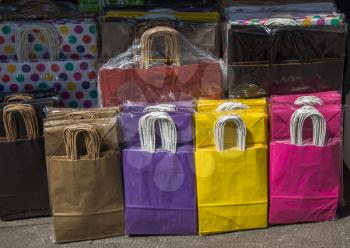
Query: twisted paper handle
pixel 17 98
pixel 91 138
pixel 167 129
pixel 227 106
pixel 50 33
pixel 318 123
pixel 81 115
pixel 160 108
pixel 29 117
pixel 278 21
pixel 172 45
pixel 219 132
pixel 308 100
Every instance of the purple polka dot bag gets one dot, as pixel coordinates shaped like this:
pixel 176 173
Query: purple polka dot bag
pixel 74 78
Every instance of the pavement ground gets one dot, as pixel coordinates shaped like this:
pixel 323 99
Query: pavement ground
pixel 36 233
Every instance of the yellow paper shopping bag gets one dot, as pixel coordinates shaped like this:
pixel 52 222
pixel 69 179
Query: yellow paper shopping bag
pixel 255 120
pixel 232 182
pixel 206 105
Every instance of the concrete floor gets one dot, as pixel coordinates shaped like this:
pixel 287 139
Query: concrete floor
pixel 36 233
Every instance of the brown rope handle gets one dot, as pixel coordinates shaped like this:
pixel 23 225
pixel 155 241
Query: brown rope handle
pixel 17 98
pixel 172 44
pixel 81 115
pixel 91 137
pixel 28 114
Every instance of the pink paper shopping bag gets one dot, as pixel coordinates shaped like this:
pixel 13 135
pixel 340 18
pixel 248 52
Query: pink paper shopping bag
pixel 304 174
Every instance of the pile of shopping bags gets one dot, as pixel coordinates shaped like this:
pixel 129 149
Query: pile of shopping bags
pixel 166 153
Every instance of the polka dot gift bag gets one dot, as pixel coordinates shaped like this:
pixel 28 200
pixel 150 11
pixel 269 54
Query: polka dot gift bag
pixel 78 39
pixel 75 79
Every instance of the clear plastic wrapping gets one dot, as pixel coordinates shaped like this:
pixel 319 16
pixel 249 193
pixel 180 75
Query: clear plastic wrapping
pixel 51 54
pixel 245 10
pixel 58 39
pixel 80 114
pixel 163 66
pixel 305 158
pixel 199 27
pixel 283 54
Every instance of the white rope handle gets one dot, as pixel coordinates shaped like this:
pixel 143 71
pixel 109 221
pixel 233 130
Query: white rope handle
pixel 167 129
pixel 227 106
pixel 161 108
pixel 220 132
pixel 309 100
pixel 279 21
pixel 50 33
pixel 297 123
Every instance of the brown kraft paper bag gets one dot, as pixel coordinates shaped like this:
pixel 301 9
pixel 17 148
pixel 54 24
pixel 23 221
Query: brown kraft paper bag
pixel 85 191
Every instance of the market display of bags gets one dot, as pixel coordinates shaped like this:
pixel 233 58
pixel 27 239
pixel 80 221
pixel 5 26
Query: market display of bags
pixel 74 79
pixel 148 144
pixel 82 207
pixel 23 179
pixel 143 75
pixel 228 169
pixel 200 26
pixel 306 163
pixel 269 55
pixel 159 180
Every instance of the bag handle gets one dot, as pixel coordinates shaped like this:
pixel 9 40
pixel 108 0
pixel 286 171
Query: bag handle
pixel 91 138
pixel 50 33
pixel 161 108
pixel 81 115
pixel 228 106
pixel 17 98
pixel 285 24
pixel 281 21
pixel 29 117
pixel 144 26
pixel 172 45
pixel 318 124
pixel 219 132
pixel 308 100
pixel 167 128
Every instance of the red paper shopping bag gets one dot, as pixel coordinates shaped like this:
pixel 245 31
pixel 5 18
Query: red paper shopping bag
pixel 187 74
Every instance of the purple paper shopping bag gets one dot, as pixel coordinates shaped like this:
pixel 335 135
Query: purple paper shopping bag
pixel 305 174
pixel 159 184
pixel 180 112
